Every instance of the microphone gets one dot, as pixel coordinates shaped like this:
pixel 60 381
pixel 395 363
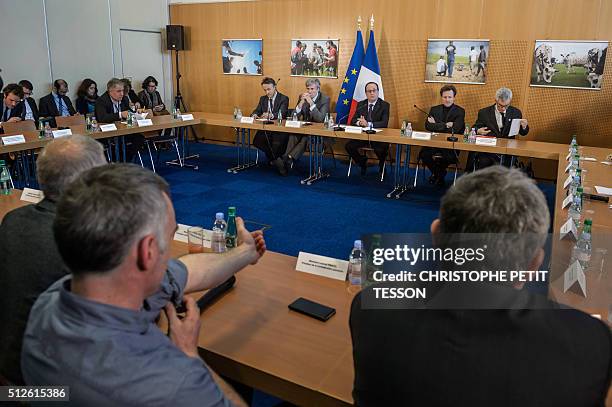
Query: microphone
pixel 452 136
pixel 418 108
pixel 338 128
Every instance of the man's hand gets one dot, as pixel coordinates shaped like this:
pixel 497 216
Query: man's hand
pixel 431 119
pixel 483 131
pixel 524 123
pixel 449 125
pixel 362 122
pixel 308 98
pixel 124 114
pixel 185 333
pixel 158 108
pixel 14 119
pixel 265 115
pixel 254 241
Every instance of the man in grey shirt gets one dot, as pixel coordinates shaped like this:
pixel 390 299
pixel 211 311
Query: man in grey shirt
pixel 95 330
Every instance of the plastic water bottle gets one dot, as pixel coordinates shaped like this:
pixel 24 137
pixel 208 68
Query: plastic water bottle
pixel 238 114
pixel 88 123
pixel 94 124
pixel 130 118
pixel 466 134
pixel 576 182
pixel 218 234
pixel 409 129
pixel 330 122
pixel 356 261
pixel 575 163
pixel 41 128
pixel 235 113
pixel 48 131
pixel 575 209
pixel 280 118
pixel 326 121
pixel 403 128
pixel 294 117
pixel 472 138
pixel 5 179
pixel 583 248
pixel 230 236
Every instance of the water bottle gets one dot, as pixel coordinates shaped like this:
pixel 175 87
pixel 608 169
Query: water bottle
pixel 466 134
pixel 230 236
pixel 130 118
pixel 356 260
pixel 576 182
pixel 409 129
pixel 94 124
pixel 235 113
pixel 330 123
pixel 88 123
pixel 575 209
pixel 403 128
pixel 238 114
pixel 5 179
pixel 583 248
pixel 280 118
pixel 48 131
pixel 326 121
pixel 472 138
pixel 294 117
pixel 41 128
pixel 218 234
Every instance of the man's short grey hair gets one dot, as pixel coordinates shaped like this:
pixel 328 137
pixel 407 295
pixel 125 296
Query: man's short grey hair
pixel 503 94
pixel 114 82
pixel 64 159
pixel 105 211
pixel 313 81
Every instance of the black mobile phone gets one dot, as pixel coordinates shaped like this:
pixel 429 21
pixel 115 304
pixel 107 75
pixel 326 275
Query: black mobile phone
pixel 312 309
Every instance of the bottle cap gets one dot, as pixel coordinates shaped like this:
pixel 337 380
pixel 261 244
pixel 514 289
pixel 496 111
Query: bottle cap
pixel 219 215
pixel 588 222
pixel 231 211
pixel 579 190
pixel 358 245
pixel 2 162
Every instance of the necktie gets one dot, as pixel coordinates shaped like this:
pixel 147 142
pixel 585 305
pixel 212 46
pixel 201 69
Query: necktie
pixel 503 116
pixel 116 107
pixel 370 108
pixel 6 114
pixel 61 105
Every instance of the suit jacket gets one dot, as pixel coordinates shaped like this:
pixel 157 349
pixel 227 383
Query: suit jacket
pixel 486 357
pixel 48 108
pixel 486 118
pixel 318 113
pixel 281 102
pixel 456 114
pixel 105 110
pixel 24 276
pixel 16 112
pixel 32 103
pixel 380 113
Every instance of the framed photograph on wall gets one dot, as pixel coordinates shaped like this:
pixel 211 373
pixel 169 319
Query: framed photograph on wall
pixel 456 61
pixel 242 56
pixel 569 64
pixel 315 58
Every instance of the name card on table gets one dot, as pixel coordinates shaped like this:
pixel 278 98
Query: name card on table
pixel 353 129
pixel 568 156
pixel 568 200
pixel 141 116
pixel 567 182
pixel 486 141
pixel 293 123
pixel 185 117
pixel 322 266
pixel 10 140
pixel 247 119
pixel 108 127
pixel 574 273
pixel 32 195
pixel 569 229
pixel 61 133
pixel 144 122
pixel 181 235
pixel 588 159
pixel 568 167
pixel 421 135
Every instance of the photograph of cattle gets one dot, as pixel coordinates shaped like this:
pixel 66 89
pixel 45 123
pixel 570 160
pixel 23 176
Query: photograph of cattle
pixel 457 61
pixel 569 64
pixel 315 58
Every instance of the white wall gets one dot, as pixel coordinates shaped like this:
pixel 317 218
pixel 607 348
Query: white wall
pixel 74 39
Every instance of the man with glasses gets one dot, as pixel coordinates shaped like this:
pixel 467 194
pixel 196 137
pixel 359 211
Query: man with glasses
pixel 30 110
pixel 11 104
pixel 495 121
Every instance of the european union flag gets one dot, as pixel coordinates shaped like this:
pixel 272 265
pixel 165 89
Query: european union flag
pixel 345 97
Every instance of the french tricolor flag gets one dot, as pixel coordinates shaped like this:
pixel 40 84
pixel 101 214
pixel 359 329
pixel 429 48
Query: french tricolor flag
pixel 370 72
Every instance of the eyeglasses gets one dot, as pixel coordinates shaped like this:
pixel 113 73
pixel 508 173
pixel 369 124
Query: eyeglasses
pixel 502 106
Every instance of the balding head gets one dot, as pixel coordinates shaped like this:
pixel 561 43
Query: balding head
pixel 63 160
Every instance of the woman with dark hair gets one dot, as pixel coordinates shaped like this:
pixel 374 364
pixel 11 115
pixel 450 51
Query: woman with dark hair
pixel 86 96
pixel 150 97
pixel 129 92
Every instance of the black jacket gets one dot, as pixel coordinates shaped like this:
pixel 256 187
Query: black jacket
pixel 32 103
pixel 486 118
pixel 81 105
pixel 16 112
pixel 380 113
pixel 456 114
pixel 105 110
pixel 48 108
pixel 281 102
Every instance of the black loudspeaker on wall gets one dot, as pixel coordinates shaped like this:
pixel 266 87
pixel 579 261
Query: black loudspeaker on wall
pixel 175 36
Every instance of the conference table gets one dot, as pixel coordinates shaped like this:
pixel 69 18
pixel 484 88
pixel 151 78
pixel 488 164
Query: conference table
pixel 250 335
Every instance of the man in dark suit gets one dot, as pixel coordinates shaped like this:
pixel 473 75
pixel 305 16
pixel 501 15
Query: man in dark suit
pixel 312 106
pixel 445 118
pixel 496 121
pixel 29 109
pixel 11 104
pixel 270 105
pixel 371 112
pixel 481 344
pixel 56 103
pixel 113 106
pixel 29 230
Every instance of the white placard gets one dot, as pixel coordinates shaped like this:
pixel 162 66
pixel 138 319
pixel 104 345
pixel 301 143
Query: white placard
pixel 421 135
pixel 574 273
pixel 181 235
pixel 144 122
pixel 10 140
pixel 568 156
pixel 569 229
pixel 293 123
pixel 247 119
pixel 185 117
pixel 514 127
pixel 568 200
pixel 569 165
pixel 486 141
pixel 32 195
pixel 322 266
pixel 352 129
pixel 567 182
pixel 108 127
pixel 587 159
pixel 603 190
pixel 61 133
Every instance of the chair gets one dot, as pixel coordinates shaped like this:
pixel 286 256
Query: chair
pixel 69 121
pixel 419 161
pixel 19 127
pixel 365 150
